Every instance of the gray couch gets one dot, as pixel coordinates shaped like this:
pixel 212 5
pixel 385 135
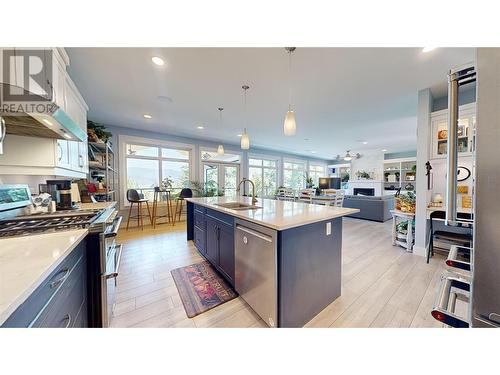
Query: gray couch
pixel 371 208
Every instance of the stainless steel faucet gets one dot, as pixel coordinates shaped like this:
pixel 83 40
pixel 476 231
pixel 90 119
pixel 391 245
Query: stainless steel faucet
pixel 254 198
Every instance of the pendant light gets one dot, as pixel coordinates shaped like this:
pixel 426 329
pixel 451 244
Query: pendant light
pixel 348 156
pixel 220 149
pixel 245 140
pixel 290 126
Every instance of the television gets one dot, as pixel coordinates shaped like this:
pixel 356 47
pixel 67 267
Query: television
pixel 329 183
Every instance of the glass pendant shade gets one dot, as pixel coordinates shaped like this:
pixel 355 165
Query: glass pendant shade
pixel 245 141
pixel 289 126
pixel 347 156
pixel 220 150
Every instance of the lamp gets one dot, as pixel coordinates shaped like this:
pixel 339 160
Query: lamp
pixel 290 126
pixel 220 149
pixel 245 140
pixel 348 156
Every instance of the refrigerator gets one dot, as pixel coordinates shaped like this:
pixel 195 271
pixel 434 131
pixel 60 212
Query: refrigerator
pixel 485 267
pixel 480 282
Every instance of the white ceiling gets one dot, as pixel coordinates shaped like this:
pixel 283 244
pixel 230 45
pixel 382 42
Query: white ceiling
pixel 340 95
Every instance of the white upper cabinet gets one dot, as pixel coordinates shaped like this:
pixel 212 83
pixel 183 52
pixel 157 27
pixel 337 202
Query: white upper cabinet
pixel 50 156
pixel 466 129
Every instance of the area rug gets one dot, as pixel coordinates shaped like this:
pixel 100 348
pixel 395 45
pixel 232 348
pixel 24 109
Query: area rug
pixel 201 288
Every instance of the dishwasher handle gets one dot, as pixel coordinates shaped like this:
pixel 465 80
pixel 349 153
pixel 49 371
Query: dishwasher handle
pixel 255 233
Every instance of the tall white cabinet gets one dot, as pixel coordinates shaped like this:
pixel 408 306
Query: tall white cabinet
pixel 46 156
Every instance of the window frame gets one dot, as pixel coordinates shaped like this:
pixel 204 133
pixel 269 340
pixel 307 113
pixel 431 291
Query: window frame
pixel 262 157
pixel 124 140
pixel 305 169
pixel 310 171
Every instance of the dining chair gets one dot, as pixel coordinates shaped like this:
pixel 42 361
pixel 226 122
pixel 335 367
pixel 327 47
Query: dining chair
pixel 306 195
pixel 339 198
pixel 453 238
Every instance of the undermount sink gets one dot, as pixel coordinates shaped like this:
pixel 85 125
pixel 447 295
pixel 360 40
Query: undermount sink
pixel 237 206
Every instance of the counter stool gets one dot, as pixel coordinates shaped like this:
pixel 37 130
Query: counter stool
pixel 185 193
pixel 158 195
pixel 133 196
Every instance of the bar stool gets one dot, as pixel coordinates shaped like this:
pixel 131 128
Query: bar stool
pixel 158 195
pixel 185 193
pixel 133 196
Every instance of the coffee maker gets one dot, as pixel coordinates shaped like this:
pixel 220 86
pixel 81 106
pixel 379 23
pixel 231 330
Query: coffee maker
pixel 60 190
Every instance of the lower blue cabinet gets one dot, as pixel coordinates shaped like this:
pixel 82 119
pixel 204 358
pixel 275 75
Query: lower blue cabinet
pixel 61 299
pixel 216 242
pixel 226 251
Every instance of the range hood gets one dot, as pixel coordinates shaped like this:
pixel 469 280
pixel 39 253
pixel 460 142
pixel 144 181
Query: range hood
pixel 53 124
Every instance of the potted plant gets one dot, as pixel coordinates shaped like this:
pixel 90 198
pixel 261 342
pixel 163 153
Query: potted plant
pixel 362 175
pixel 97 132
pixel 167 183
pixel 309 182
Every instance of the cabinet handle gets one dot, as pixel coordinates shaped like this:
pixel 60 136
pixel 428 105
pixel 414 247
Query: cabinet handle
pixel 55 284
pixel 68 318
pixel 60 151
pixel 80 161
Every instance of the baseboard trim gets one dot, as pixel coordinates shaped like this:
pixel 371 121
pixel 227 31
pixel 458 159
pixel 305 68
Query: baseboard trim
pixel 421 251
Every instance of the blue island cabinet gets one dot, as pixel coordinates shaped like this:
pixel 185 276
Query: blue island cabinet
pixel 213 235
pixel 307 267
pixel 61 299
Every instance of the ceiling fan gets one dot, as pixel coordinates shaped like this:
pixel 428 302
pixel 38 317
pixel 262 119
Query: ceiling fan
pixel 348 156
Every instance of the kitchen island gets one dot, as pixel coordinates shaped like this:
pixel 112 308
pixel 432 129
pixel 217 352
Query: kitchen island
pixel 283 258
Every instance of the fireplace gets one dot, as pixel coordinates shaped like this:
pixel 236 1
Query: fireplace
pixel 364 191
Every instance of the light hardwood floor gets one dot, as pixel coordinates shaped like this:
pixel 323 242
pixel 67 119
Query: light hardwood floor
pixel 382 285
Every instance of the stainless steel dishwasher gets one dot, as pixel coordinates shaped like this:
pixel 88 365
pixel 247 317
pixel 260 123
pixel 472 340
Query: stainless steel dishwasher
pixel 256 269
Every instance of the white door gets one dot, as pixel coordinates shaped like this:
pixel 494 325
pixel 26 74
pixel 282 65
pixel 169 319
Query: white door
pixel 220 177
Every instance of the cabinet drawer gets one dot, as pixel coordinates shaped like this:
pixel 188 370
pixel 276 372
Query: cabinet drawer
pixel 62 311
pixel 199 209
pixel 199 220
pixel 227 219
pixel 199 239
pixel 29 309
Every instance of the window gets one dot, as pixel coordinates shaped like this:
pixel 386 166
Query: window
pixel 264 173
pixel 315 172
pixel 148 165
pixel 294 175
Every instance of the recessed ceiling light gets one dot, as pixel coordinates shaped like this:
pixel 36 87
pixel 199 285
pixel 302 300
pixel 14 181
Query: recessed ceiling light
pixel 384 150
pixel 239 135
pixel 47 122
pixel 428 49
pixel 157 60
pixel 200 127
pixel 313 152
pixel 364 142
pixel 147 116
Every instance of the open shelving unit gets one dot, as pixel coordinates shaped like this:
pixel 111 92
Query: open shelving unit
pixel 104 167
pixel 400 173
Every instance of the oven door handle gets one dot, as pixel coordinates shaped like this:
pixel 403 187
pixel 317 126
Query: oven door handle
pixel 112 231
pixel 118 256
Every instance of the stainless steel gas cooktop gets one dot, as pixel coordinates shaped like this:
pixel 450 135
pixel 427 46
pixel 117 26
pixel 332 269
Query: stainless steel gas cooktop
pixel 47 222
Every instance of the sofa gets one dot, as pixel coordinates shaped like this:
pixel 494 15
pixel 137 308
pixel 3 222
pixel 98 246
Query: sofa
pixel 371 208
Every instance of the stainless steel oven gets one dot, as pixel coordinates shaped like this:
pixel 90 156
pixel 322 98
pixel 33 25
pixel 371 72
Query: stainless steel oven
pixel 110 258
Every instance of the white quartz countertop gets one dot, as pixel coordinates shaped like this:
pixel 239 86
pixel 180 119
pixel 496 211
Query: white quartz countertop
pixel 26 261
pixel 278 215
